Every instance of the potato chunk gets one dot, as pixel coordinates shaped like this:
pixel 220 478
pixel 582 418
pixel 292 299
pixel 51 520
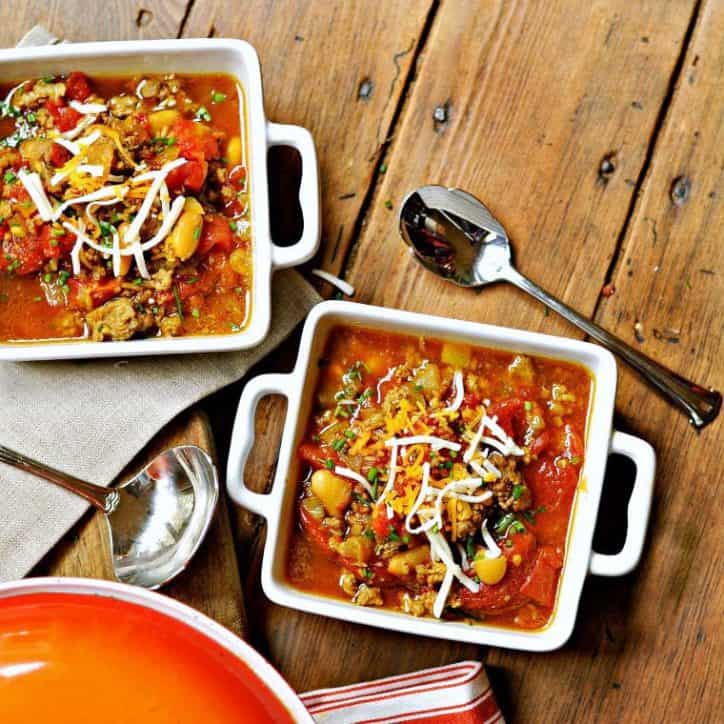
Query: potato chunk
pixel 334 492
pixel 402 564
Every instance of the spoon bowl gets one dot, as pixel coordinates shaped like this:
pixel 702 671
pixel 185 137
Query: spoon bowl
pixel 157 520
pixel 454 235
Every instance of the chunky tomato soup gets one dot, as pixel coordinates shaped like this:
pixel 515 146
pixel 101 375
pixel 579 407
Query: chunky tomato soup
pixel 124 207
pixel 71 659
pixel 439 478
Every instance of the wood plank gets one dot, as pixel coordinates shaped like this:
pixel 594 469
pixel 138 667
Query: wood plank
pixel 665 659
pixel 336 68
pixel 539 98
pixel 83 19
pixel 211 582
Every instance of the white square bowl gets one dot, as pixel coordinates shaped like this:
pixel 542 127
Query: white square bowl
pixel 238 59
pixel 278 506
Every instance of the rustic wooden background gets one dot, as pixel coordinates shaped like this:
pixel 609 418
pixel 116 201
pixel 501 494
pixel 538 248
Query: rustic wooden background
pixel 595 130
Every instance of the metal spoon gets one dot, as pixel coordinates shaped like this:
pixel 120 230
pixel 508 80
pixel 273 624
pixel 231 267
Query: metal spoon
pixel 157 520
pixel 455 236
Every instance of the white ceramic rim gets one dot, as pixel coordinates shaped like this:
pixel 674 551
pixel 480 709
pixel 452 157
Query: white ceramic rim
pixel 177 611
pixel 238 58
pixel 277 507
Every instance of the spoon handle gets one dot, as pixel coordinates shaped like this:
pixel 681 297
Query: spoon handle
pixel 700 404
pixel 103 499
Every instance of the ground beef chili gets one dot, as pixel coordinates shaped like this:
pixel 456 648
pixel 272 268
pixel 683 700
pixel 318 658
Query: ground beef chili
pixel 438 478
pixel 124 207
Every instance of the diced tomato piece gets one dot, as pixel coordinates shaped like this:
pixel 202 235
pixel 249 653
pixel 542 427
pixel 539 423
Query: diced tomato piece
pixel 54 246
pixel 511 417
pixel 195 140
pixel 65 118
pixel 501 597
pixel 215 234
pixel 59 156
pixel 315 456
pixel 542 582
pixel 77 87
pixel 522 544
pixel 541 443
pixel 23 254
pixel 381 524
pixel 91 293
pixel 189 177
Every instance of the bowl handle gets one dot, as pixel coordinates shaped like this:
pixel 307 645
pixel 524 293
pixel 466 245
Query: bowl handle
pixel 242 440
pixel 280 134
pixel 643 456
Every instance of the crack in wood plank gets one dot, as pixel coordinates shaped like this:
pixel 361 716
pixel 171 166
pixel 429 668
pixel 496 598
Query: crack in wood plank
pixel 651 150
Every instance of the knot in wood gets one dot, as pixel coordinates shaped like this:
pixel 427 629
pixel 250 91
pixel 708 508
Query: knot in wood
pixel 680 190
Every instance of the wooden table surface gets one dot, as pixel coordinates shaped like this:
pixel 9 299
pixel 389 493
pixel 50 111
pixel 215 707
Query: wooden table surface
pixel 595 131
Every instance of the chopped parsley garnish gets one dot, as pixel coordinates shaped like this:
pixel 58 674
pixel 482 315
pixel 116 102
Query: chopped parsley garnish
pixel 394 536
pixel 197 233
pixel 338 444
pixel 528 405
pixel 106 228
pixel 179 306
pixel 517 492
pixel 369 533
pixel 350 434
pixel 31 117
pixel 361 499
pixel 388 203
pixel 163 140
pixel 195 313
pixel 217 96
pixel 372 474
pixel 405 539
pixel 137 282
pixel 329 463
pixel 9 177
pixel 470 546
pixel 58 232
pixel 203 114
pixel 504 523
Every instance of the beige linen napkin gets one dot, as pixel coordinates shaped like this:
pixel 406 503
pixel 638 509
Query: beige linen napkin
pixel 90 418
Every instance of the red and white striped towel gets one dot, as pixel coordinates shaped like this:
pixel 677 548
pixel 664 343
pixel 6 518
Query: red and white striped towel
pixel 454 694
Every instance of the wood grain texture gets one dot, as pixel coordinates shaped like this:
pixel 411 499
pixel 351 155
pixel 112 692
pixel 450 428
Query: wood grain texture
pixel 336 68
pixel 670 277
pixel 211 582
pixel 79 20
pixel 537 96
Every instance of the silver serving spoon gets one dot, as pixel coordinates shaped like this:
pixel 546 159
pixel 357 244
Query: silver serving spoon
pixel 157 520
pixel 455 236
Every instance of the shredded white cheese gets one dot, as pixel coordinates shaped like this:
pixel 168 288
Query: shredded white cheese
pixel 437 443
pixel 422 494
pixel 80 127
pixel 459 392
pixel 391 474
pixel 352 475
pixel 134 228
pixel 88 109
pixel 342 285
pixel 34 186
pixel 439 605
pixel 493 548
pixel 105 192
pixel 169 220
pixel 475 441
